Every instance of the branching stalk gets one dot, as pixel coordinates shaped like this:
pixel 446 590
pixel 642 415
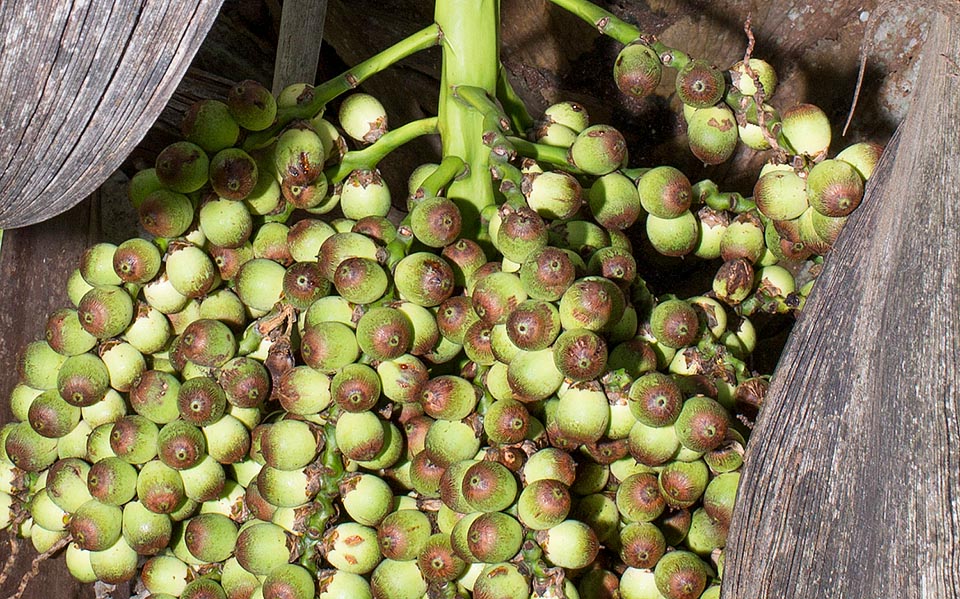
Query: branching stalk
pixel 610 25
pixel 554 155
pixel 369 157
pixel 427 37
pixel 450 168
pixel 513 106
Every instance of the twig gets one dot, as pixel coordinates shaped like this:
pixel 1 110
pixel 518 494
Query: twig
pixel 760 93
pixel 856 92
pixel 35 565
pixel 14 526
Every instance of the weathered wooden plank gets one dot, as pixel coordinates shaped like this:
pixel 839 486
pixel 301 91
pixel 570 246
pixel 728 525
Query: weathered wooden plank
pixel 298 49
pixel 853 470
pixel 80 84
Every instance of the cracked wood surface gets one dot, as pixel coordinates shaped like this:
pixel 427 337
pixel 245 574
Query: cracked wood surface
pixel 80 84
pixel 853 470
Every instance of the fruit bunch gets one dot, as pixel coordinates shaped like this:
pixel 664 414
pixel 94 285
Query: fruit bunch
pixel 479 398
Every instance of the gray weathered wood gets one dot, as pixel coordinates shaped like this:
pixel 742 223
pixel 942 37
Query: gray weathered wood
pixel 80 84
pixel 298 49
pixel 853 471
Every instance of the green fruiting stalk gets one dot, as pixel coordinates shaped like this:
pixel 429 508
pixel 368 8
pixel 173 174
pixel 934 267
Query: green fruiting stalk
pixel 427 37
pixel 513 106
pixel 470 58
pixel 609 25
pixel 554 155
pixel 369 157
pixel 451 167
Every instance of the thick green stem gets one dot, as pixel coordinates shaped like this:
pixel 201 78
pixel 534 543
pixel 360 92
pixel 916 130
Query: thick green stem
pixel 450 168
pixel 611 26
pixel 470 58
pixel 427 37
pixel 520 117
pixel 368 157
pixel 554 155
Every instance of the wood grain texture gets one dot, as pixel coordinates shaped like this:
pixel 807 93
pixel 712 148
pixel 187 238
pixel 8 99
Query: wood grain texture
pixel 852 473
pixel 80 84
pixel 298 49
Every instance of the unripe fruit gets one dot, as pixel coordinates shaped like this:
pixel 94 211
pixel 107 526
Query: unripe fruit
pixel 435 221
pixel 181 167
pixel 201 401
pixel 489 487
pixel 598 150
pixel 494 537
pixel 351 547
pixel 105 312
pixel 834 188
pixel 363 117
pixel 682 483
pixel 65 335
pixel 543 504
pixel 364 193
pixel 547 273
pixel 210 537
pixel 712 134
pixel 160 488
pixel 209 124
pixel 637 70
pixel 251 105
pixel 402 535
pixel 424 279
pixel 699 84
pixel 146 532
pixel 289 581
pixel 805 130
pixel 112 481
pixel 208 342
pixel 261 547
pixel 614 201
pixel 165 213
pixel 702 424
pixel 95 526
pixel 398 580
pixel 781 195
pixel 673 236
pixel 746 85
pixel 570 544
pixel 681 575
pixel 674 323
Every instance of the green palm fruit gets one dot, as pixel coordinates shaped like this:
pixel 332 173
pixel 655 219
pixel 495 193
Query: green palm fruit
pixel 598 150
pixel 834 188
pixel 364 193
pixel 363 117
pixel 712 134
pixel 637 69
pixel 570 544
pixel 699 84
pixel 182 167
pixel 614 201
pixel 862 156
pixel 805 130
pixel 673 236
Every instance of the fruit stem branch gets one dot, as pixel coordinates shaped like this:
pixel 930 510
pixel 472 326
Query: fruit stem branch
pixel 554 155
pixel 610 25
pixel 427 37
pixel 450 168
pixel 471 58
pixel 368 157
pixel 513 105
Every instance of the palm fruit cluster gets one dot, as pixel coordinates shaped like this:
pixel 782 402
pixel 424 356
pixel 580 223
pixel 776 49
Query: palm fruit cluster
pixel 280 392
